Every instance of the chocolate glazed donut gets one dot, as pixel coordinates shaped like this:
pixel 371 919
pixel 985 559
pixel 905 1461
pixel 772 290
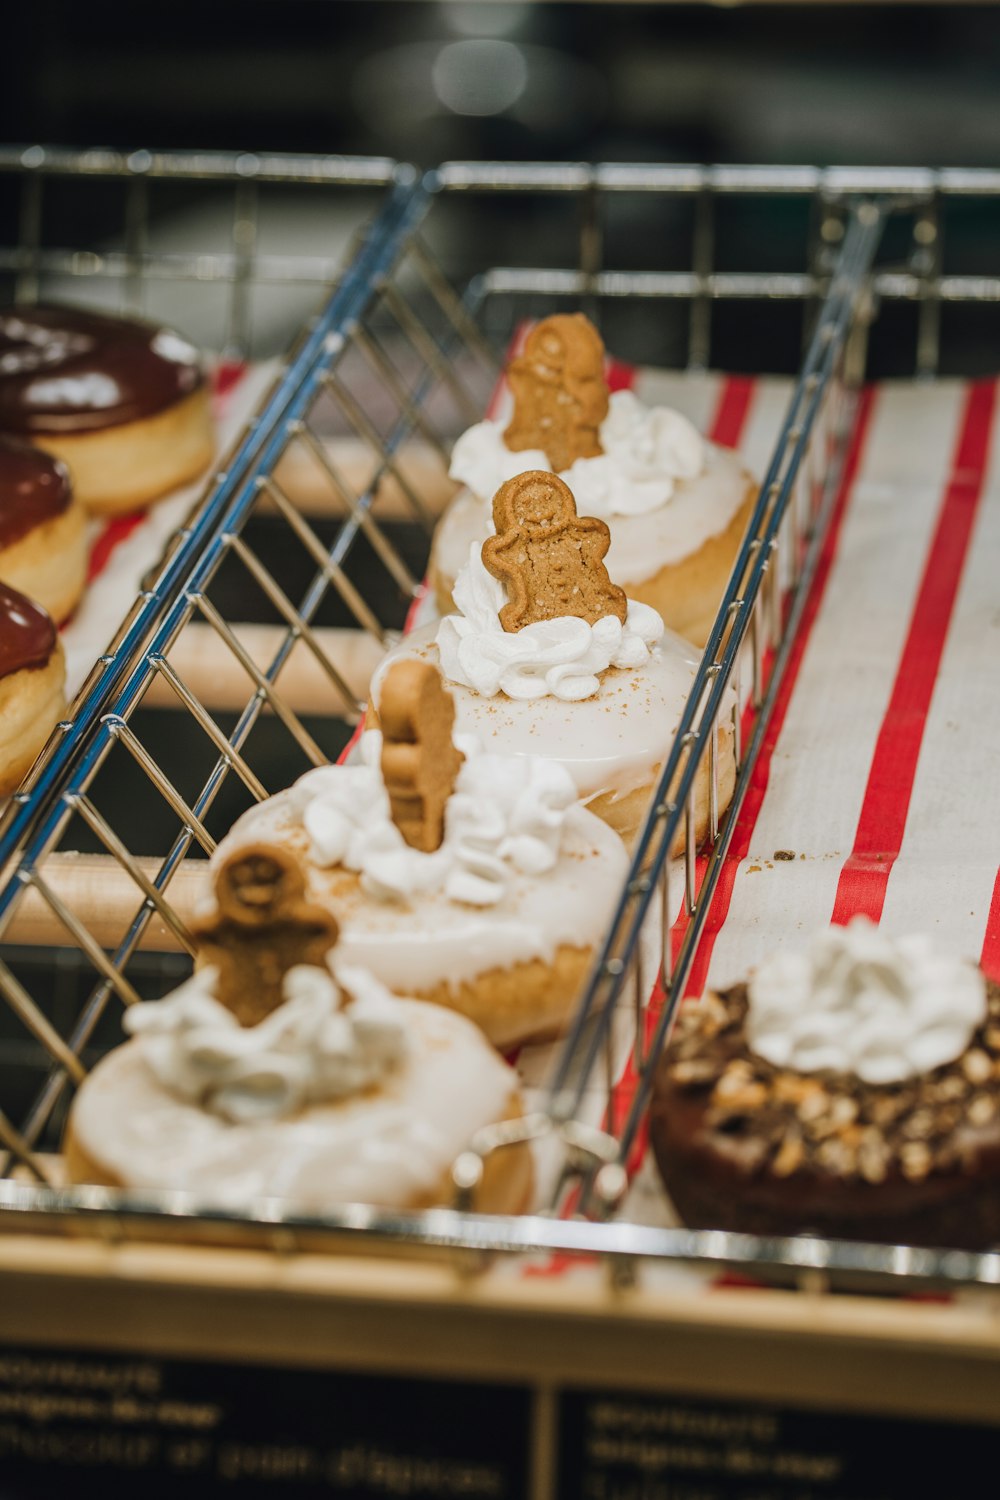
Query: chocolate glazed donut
pixel 32 679
pixel 43 547
pixel 123 402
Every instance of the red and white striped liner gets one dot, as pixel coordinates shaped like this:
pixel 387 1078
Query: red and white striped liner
pixel 886 725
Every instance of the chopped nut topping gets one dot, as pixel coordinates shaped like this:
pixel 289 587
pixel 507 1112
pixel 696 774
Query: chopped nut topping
pixel 792 1088
pixel 873 1157
pixel 982 1110
pixel 790 1154
pixel 916 1160
pixel 837 1156
pixel 954 1086
pixel 693 1070
pixel 794 1121
pixel 920 1125
pixel 813 1106
pixel 844 1111
pixel 887 1108
pixel 740 1095
pixel 977 1066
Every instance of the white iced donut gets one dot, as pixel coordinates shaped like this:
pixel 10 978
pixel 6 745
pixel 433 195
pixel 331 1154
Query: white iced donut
pixel 500 923
pixel 612 742
pixel 676 507
pixel 320 1103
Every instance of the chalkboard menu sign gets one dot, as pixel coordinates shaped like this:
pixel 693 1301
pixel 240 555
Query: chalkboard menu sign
pixel 616 1446
pixel 158 1428
pixel 129 1426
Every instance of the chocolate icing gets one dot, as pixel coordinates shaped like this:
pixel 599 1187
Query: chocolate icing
pixel 64 370
pixel 27 634
pixel 34 487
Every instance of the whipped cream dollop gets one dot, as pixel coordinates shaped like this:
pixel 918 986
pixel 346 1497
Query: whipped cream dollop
pixel 857 1001
pixel 561 658
pixel 647 452
pixel 313 1049
pixel 505 817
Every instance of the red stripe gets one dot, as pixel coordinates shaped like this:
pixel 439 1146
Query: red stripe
pixel 864 879
pixel 111 537
pixel 227 374
pixel 726 427
pixel 990 956
pixel 619 377
pixel 750 811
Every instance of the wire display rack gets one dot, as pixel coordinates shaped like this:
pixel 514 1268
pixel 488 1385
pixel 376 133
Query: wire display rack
pixel 399 362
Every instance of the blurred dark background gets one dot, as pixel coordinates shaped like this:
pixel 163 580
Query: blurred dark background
pixel 424 80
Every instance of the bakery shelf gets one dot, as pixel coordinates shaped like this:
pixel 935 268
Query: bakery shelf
pixel 405 355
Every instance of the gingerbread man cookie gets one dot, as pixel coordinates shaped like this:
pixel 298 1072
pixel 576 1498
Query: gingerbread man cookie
pixel 560 395
pixel 263 926
pixel 549 558
pixel 419 758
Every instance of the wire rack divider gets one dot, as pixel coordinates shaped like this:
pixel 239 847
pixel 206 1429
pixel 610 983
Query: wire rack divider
pixel 758 620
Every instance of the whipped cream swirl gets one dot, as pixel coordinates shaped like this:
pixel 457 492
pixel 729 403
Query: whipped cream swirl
pixel 857 1001
pixel 647 452
pixel 561 658
pixel 505 817
pixel 313 1049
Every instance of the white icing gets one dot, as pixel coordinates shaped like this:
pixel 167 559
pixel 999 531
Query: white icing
pixel 311 1049
pixel 646 450
pixel 857 1001
pixel 414 944
pixel 504 817
pixel 392 1145
pixel 609 743
pixel 642 543
pixel 482 460
pixel 562 658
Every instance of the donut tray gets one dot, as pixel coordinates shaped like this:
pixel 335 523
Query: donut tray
pixel 246 657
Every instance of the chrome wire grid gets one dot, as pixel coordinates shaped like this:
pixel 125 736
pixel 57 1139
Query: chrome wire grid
pixel 434 355
pixel 134 264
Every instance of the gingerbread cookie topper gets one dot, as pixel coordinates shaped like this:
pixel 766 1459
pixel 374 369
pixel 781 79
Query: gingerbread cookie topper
pixel 419 758
pixel 550 560
pixel 560 394
pixel 264 925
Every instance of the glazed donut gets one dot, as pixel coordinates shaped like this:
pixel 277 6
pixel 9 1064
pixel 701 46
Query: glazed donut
pixel 124 403
pixel 32 683
pixel 43 544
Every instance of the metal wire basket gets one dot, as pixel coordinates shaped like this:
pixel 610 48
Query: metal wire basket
pixel 398 363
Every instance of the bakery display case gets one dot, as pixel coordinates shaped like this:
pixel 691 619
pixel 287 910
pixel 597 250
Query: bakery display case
pixel 592 1346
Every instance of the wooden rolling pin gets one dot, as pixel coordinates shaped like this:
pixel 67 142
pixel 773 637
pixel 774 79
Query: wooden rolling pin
pixel 105 898
pixel 420 467
pixel 206 665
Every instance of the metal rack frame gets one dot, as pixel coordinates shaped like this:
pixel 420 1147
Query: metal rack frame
pixel 394 291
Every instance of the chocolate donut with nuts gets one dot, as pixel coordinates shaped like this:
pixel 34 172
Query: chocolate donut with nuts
pixel 750 1144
